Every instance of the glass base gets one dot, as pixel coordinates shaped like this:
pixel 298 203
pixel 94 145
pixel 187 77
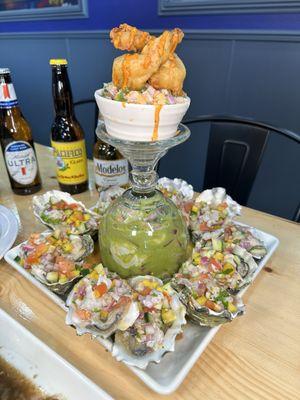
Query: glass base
pixel 143 234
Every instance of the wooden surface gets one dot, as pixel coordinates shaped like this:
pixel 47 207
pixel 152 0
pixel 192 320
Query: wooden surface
pixel 255 357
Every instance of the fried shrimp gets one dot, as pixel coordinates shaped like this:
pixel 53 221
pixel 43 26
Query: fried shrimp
pixel 132 71
pixel 170 75
pixel 126 37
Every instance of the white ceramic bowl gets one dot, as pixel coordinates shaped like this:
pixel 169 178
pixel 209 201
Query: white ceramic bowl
pixel 136 121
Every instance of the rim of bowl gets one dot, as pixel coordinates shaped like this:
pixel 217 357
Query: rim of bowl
pixel 134 105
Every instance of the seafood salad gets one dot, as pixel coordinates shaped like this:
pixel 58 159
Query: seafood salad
pixel 160 320
pixel 59 210
pixel 212 210
pixel 55 258
pixel 147 95
pixel 101 303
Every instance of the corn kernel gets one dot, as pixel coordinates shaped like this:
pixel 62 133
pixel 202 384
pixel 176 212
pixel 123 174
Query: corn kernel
pixel 201 300
pixel 231 308
pixel 195 209
pixel 219 256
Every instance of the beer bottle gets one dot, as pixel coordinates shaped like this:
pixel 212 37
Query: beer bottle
pixel 67 137
pixel 16 141
pixel 110 167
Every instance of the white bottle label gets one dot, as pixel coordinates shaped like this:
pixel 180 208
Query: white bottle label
pixel 8 96
pixel 21 162
pixel 110 173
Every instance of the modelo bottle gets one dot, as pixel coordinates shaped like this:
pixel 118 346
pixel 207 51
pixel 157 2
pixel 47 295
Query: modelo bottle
pixel 110 167
pixel 16 141
pixel 67 137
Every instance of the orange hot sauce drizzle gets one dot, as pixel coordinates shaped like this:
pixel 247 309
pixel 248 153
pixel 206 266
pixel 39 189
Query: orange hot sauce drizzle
pixel 158 107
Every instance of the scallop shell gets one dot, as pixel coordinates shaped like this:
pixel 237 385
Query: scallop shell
pixel 120 318
pixel 204 316
pixel 40 203
pixel 120 348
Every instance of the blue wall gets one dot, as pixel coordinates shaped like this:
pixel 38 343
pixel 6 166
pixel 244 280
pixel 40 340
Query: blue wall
pixel 103 14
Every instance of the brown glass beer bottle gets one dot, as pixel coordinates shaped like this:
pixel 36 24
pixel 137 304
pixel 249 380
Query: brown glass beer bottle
pixel 67 137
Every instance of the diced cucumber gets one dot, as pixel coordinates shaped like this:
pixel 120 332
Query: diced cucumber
pixel 217 244
pixel 52 276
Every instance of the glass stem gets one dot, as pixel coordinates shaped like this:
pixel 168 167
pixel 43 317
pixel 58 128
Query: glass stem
pixel 143 180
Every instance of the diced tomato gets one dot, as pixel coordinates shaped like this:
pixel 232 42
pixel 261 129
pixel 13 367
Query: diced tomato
pixel 188 206
pixel 216 263
pixel 73 206
pixel 167 296
pixel 203 227
pixel 145 291
pixel 223 205
pixel 83 314
pixel 64 266
pixel 210 304
pixel 100 290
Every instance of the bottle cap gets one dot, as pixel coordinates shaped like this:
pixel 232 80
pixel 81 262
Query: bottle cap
pixel 59 61
pixel 4 71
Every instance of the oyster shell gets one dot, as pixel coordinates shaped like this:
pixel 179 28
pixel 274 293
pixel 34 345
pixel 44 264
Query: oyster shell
pixel 154 332
pixel 203 315
pixel 180 192
pixel 106 197
pixel 232 268
pixel 46 254
pixel 100 304
pixel 211 211
pixel 208 303
pixel 58 218
pixel 246 238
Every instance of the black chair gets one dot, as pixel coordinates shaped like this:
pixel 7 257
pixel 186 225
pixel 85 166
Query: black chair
pixel 96 111
pixel 235 150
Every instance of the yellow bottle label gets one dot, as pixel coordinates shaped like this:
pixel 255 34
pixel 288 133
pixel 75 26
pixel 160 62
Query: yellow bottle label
pixel 71 162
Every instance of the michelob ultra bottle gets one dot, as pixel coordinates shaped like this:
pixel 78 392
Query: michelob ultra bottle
pixel 67 137
pixel 110 167
pixel 16 140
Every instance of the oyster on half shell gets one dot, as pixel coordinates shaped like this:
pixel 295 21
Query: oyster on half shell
pixel 211 211
pixel 57 209
pixel 206 301
pixel 101 303
pixel 106 197
pixel 153 334
pixel 55 258
pixel 180 192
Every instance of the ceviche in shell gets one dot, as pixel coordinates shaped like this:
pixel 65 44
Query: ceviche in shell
pixel 58 209
pixel 246 238
pixel 207 302
pixel 101 303
pixel 180 192
pixel 106 197
pixel 211 211
pixel 55 258
pixel 160 320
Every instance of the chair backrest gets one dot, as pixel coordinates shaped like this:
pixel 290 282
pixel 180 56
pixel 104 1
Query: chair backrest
pixel 96 111
pixel 235 150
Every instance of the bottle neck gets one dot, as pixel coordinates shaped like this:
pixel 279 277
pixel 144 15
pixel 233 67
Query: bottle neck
pixel 61 91
pixel 8 98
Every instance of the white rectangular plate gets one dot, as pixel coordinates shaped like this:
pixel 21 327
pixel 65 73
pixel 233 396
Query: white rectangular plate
pixel 35 360
pixel 166 376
